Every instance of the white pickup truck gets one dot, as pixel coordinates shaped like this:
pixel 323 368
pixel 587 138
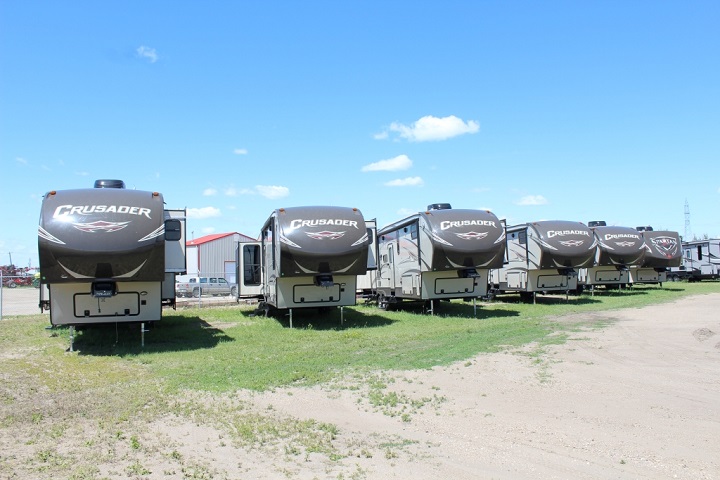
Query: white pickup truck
pixel 196 286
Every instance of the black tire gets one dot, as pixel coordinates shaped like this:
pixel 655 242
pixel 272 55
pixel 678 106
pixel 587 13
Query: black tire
pixel 382 302
pixel 196 292
pixel 233 292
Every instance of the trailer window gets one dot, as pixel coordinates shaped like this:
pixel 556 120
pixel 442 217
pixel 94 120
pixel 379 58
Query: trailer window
pixel 522 237
pixel 699 250
pixel 173 230
pixel 251 265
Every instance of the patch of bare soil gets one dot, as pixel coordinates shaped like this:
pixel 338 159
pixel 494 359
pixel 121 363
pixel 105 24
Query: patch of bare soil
pixel 635 395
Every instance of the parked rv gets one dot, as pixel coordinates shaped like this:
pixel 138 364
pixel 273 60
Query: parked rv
pixel 700 261
pixel 618 249
pixel 439 254
pixel 108 254
pixel 544 257
pixel 662 252
pixel 309 257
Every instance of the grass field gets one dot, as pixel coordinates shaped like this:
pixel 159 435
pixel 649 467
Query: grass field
pixel 111 382
pixel 226 348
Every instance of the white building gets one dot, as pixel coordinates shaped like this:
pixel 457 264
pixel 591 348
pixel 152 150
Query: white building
pixel 214 255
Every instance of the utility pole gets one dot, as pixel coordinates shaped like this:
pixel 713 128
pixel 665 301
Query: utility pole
pixel 687 221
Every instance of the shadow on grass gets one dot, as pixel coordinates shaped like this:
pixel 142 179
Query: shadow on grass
pixel 446 308
pixel 329 318
pixel 171 334
pixel 545 299
pixel 632 291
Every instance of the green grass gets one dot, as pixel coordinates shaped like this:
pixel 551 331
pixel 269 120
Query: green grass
pixel 226 348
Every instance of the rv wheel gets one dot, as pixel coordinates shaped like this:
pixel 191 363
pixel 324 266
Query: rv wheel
pixel 233 291
pixel 196 292
pixel 382 302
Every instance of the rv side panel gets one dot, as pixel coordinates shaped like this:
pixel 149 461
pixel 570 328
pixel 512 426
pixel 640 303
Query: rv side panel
pixel 73 304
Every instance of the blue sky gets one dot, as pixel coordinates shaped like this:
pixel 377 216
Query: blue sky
pixel 593 110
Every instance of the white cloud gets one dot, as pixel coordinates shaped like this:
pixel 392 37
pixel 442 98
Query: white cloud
pixel 401 162
pixel 208 230
pixel 204 212
pixel 405 212
pixel 430 128
pixel 21 160
pixel 231 192
pixel 209 192
pixel 240 151
pixel 381 136
pixel 272 191
pixel 532 200
pixel 147 53
pixel 406 182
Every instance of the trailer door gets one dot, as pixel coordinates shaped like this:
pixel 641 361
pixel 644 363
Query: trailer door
pixel 249 269
pixel 372 263
pixel 391 263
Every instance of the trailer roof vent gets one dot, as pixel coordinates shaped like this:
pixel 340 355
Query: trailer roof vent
pixel 597 223
pixel 644 229
pixel 439 206
pixel 107 183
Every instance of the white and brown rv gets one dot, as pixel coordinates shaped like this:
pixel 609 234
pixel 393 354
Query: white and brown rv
pixel 662 252
pixel 544 256
pixel 618 249
pixel 108 254
pixel 309 257
pixel 439 254
pixel 700 261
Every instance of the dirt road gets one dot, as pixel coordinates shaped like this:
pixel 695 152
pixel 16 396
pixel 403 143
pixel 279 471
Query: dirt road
pixel 20 301
pixel 638 398
pixel 24 301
